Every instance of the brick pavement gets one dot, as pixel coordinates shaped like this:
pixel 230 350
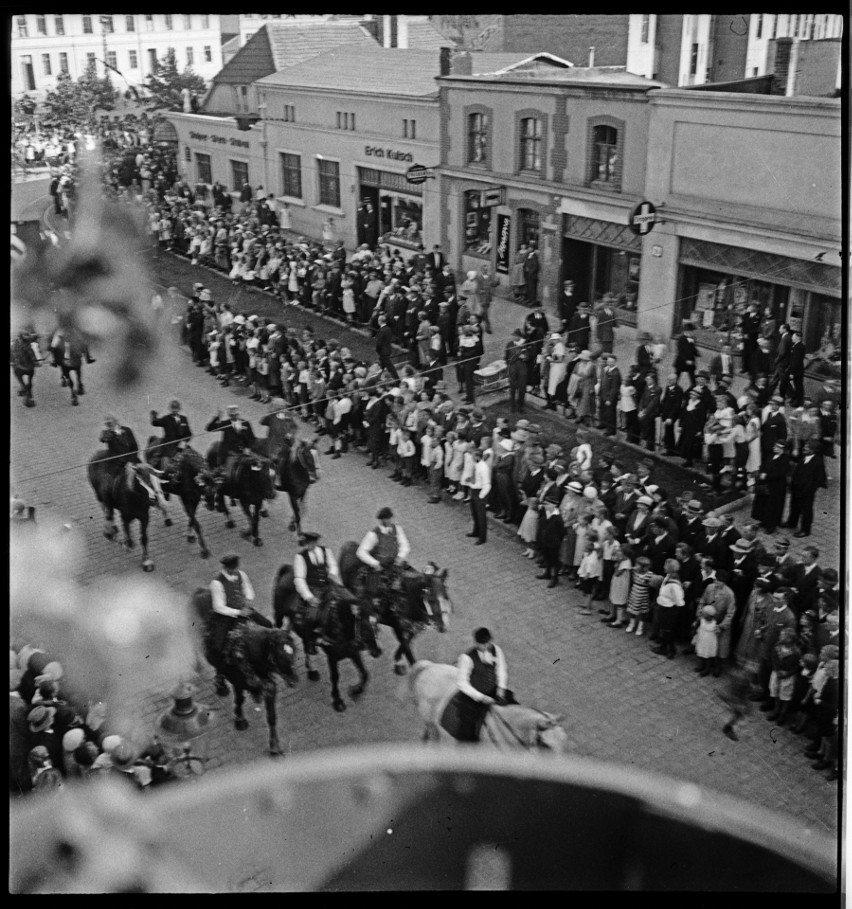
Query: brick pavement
pixel 622 703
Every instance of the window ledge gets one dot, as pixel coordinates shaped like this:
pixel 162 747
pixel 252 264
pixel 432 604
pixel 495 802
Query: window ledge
pixel 330 209
pixel 605 185
pixel 478 165
pixel 291 200
pixel 526 172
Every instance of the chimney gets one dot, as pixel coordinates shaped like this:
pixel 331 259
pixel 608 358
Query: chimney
pixel 462 64
pixel 402 31
pixel 390 26
pixel 444 66
pixel 591 56
pixel 786 61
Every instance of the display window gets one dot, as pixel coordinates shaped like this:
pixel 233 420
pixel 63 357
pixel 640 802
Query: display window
pixel 477 225
pixel 401 219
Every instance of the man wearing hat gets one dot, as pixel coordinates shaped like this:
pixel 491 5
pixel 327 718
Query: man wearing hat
pixel 743 573
pixel 644 356
pixel 517 358
pixel 671 404
pixel 805 580
pixel 718 595
pixel 176 432
pixel 625 500
pixel 610 385
pixel 649 410
pixel 687 353
pixel 712 543
pixel 579 328
pixel 775 620
pixel 808 476
pixel 690 523
pixel 773 427
pixel 315 570
pixel 385 549
pixel 45 732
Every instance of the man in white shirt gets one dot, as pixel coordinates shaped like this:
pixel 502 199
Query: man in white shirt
pixel 385 549
pixel 479 490
pixel 482 681
pixel 315 569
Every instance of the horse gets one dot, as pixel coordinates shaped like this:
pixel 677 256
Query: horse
pixel 190 480
pixel 349 633
pixel 422 600
pixel 432 686
pixel 249 481
pixel 126 489
pixel 267 650
pixel 295 470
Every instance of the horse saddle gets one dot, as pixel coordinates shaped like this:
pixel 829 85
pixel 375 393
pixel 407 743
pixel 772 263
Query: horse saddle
pixel 461 716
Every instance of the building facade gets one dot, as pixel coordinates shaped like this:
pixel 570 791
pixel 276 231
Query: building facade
pixel 559 160
pixel 748 188
pixel 43 46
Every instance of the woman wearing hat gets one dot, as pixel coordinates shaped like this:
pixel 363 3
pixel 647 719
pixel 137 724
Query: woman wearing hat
pixel 554 354
pixel 692 420
pixel 585 378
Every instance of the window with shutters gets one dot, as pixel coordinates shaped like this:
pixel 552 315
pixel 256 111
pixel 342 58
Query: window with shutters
pixel 531 141
pixel 291 175
pixel 87 25
pixel 328 173
pixel 605 152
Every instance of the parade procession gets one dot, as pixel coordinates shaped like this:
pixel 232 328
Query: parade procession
pixel 418 425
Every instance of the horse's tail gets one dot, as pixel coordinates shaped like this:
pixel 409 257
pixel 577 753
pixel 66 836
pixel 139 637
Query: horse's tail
pixel 348 562
pixel 283 594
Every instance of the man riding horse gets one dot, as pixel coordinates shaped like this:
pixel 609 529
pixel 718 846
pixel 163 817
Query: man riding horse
pixel 237 439
pixel 385 549
pixel 315 572
pixel 232 594
pixel 176 433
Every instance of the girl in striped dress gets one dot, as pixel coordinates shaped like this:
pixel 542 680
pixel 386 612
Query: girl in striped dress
pixel 639 601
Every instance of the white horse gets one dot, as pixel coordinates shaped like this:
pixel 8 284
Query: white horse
pixel 432 686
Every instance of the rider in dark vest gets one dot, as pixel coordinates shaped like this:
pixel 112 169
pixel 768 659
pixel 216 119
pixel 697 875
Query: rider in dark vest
pixel 482 682
pixel 314 572
pixel 385 549
pixel 232 594
pixel 237 438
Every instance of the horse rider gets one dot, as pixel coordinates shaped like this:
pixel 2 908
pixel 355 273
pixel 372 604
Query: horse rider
pixel 176 433
pixel 237 438
pixel 481 682
pixel 231 593
pixel 68 355
pixel 124 449
pixel 315 570
pixel 281 429
pixel 24 362
pixel 385 549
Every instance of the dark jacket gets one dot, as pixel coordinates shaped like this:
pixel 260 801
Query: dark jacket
pixel 808 477
pixel 233 440
pixel 687 354
pixel 122 444
pixel 175 428
pixel 671 402
pixel 384 342
pixel 550 531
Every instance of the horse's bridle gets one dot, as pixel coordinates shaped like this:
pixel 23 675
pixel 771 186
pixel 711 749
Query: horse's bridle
pixel 515 736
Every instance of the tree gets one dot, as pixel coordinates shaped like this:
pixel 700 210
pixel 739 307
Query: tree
pixel 166 84
pixel 76 102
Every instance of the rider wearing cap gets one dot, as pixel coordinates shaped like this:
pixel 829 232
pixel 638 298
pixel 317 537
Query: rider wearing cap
pixel 482 680
pixel 314 571
pixel 385 549
pixel 237 438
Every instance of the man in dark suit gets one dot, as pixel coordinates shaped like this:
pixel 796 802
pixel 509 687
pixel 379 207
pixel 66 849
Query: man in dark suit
pixel 175 428
pixel 713 544
pixel 805 581
pixel 606 324
pixel 690 523
pixel 644 356
pixel 384 346
pixel 436 259
pixel 535 329
pixel 773 429
pixel 659 545
pixel 531 269
pixel 649 409
pixel 551 530
pixel 237 434
pixel 670 405
pixel 374 424
pixel 121 443
pixel 781 376
pixel 729 532
pixel 808 476
pixel 750 326
pixel 797 368
pixel 579 328
pixel 567 304
pixel 625 501
pixel 517 357
pixel 610 384
pixel 687 353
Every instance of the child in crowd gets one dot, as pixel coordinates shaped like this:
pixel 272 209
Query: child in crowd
pixel 609 549
pixel 528 528
pixel 589 571
pixel 706 640
pixel 581 529
pixel 405 450
pixel 467 472
pixel 453 462
pixel 642 584
pixel 427 441
pixel 436 466
pixel 394 435
pixel 785 667
pixel 619 587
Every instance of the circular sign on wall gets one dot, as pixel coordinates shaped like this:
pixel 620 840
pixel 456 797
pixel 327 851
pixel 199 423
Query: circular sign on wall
pixel 417 173
pixel 643 218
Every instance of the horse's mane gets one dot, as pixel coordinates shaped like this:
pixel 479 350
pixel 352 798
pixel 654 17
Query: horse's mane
pixel 348 561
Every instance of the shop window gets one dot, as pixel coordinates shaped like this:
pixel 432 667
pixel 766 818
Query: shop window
pixel 531 142
pixel 823 330
pixel 477 225
pixel 400 219
pixel 130 23
pixel 529 225
pixel 239 175
pixel 328 173
pixel 203 169
pixel 59 25
pixel 477 138
pixel 291 175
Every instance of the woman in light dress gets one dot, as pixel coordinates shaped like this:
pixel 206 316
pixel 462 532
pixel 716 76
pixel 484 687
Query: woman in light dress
pixel 556 370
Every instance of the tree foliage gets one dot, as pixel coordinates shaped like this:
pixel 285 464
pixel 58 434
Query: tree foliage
pixel 76 102
pixel 459 28
pixel 166 84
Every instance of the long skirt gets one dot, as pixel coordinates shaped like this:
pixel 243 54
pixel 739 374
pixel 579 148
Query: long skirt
pixel 768 505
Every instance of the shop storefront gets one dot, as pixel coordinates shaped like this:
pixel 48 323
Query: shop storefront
pixel 390 209
pixel 717 283
pixel 601 257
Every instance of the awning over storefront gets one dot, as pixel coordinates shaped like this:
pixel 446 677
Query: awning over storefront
pixel 164 133
pixel 604 233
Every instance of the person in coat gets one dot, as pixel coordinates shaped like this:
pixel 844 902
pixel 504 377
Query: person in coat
pixel 609 390
pixel 535 329
pixel 649 410
pixel 808 476
pixel 671 403
pixel 579 328
pixel 797 368
pixel 687 353
pixel 517 278
pixel 175 428
pixel 531 270
pixel 586 379
pixel 607 322
pixel 551 531
pixel 718 595
pixel 645 355
pixel 384 346
pixel 517 356
pixel 781 376
pixel 374 424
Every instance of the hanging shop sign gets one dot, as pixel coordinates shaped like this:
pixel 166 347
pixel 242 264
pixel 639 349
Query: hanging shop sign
pixel 643 218
pixel 417 173
pixel 491 197
pixel 504 227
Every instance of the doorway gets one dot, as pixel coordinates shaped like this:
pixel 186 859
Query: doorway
pixel 577 267
pixel 367 216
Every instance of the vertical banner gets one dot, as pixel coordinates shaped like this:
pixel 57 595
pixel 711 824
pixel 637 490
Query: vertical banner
pixel 504 224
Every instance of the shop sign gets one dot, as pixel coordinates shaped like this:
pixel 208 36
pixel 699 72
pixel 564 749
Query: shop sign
pixel 417 173
pixel 643 218
pixel 504 225
pixel 373 151
pixel 219 140
pixel 491 197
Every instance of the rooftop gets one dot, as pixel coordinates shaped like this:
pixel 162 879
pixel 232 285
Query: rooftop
pixel 605 76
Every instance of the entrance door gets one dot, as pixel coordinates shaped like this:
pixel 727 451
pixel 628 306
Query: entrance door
pixel 368 215
pixel 577 267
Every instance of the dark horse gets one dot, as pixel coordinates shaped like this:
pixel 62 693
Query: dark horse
pixel 268 651
pixel 187 477
pixel 126 489
pixel 295 471
pixel 421 600
pixel 249 481
pixel 351 628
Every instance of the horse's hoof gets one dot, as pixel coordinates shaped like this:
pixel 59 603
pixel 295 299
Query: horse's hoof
pixel 313 675
pixel 230 524
pixel 241 725
pixel 355 692
pixel 275 751
pixel 108 535
pixel 245 534
pixel 168 522
pixel 205 553
pixel 258 542
pixel 147 565
pixel 339 706
pixel 190 538
pixel 129 544
pixel 400 668
pixel 264 513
